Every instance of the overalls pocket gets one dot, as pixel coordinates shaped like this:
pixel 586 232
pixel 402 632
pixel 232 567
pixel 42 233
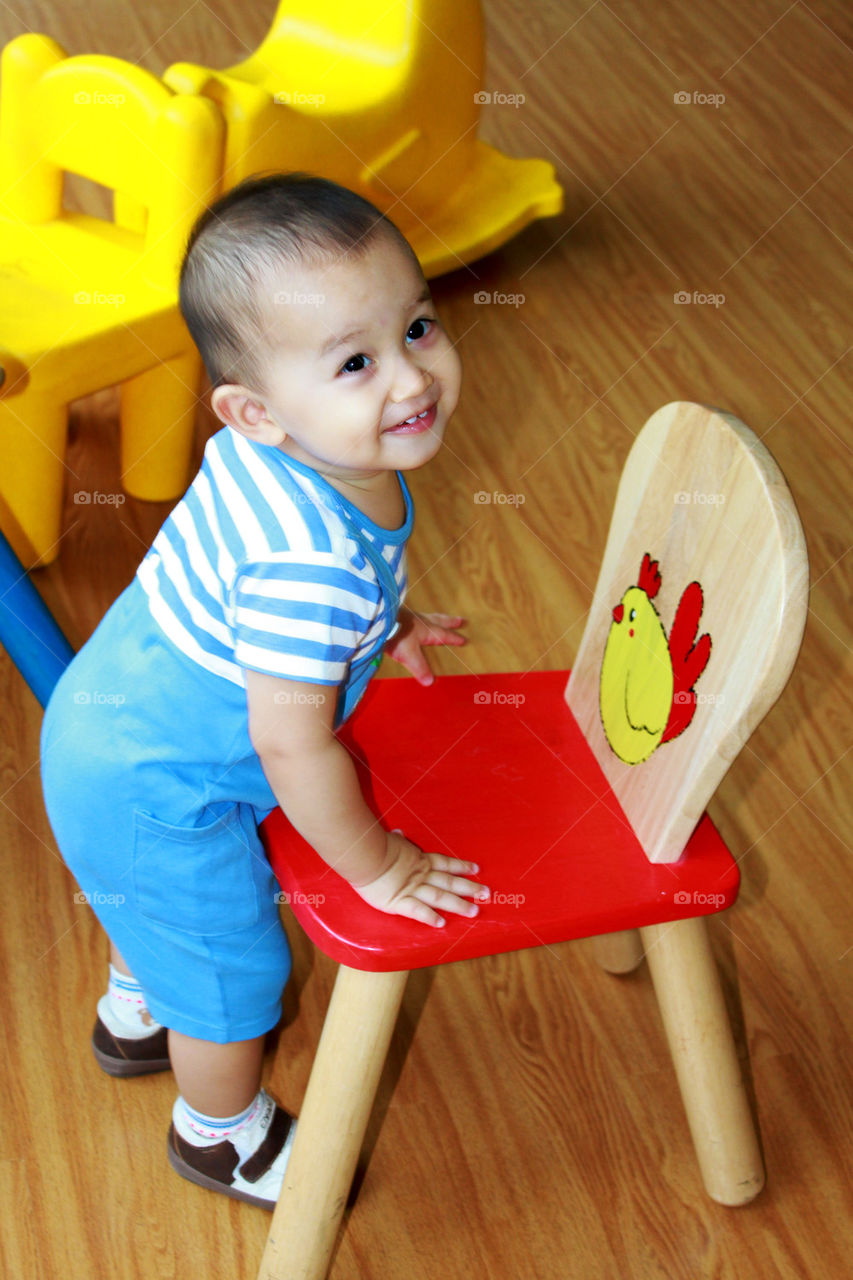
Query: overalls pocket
pixel 199 880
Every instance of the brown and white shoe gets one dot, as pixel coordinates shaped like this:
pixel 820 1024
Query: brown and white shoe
pixel 217 1166
pixel 137 1057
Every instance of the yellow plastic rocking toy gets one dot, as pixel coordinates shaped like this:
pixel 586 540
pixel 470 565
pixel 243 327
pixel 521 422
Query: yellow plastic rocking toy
pixel 388 106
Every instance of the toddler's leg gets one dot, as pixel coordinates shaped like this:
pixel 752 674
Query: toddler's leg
pixel 216 1079
pixel 126 1040
pixel 117 960
pixel 227 1133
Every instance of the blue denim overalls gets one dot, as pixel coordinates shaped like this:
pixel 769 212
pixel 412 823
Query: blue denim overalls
pixel 155 793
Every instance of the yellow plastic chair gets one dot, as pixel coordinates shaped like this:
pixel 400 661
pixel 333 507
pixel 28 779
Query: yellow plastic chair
pixel 88 303
pixel 387 105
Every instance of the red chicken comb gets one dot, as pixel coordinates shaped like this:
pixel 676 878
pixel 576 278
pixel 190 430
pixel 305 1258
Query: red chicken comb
pixel 649 579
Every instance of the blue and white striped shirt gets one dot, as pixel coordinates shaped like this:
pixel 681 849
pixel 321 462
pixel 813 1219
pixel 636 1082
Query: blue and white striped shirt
pixel 258 566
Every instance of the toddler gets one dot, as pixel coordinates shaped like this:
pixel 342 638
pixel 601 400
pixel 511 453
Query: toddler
pixel 247 635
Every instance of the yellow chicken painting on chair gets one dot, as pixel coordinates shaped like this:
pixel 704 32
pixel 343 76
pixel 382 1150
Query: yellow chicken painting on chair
pixel 646 694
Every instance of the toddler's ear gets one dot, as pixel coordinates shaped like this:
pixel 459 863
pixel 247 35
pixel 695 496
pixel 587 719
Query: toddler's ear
pixel 242 409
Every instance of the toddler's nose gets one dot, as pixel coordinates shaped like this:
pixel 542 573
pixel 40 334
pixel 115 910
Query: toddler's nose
pixel 411 380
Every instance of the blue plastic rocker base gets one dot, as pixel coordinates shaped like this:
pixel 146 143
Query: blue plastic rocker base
pixel 28 630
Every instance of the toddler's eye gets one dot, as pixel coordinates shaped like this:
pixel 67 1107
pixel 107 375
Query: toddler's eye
pixel 419 329
pixel 355 364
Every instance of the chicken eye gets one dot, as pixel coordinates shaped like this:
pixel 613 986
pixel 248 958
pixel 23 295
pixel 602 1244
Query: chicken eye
pixel 632 615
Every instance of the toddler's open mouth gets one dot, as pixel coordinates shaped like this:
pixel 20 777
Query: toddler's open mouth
pixel 412 426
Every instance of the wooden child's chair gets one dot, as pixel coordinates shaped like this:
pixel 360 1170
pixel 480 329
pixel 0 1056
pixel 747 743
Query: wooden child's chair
pixel 88 303
pixel 585 813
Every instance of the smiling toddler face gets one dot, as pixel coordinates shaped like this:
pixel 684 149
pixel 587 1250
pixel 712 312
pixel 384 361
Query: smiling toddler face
pixel 358 352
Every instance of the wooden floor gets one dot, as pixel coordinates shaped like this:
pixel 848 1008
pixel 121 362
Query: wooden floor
pixel 531 1126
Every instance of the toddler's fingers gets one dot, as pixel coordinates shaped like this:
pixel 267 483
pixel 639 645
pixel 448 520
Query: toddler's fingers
pixel 445 619
pixel 445 900
pixel 456 884
pixel 441 862
pixel 443 635
pixel 443 629
pixel 416 909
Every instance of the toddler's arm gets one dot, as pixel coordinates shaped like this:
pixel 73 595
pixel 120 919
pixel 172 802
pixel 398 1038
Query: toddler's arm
pixel 315 782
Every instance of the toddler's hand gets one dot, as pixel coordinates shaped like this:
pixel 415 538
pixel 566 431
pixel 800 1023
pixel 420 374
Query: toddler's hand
pixel 417 630
pixel 416 882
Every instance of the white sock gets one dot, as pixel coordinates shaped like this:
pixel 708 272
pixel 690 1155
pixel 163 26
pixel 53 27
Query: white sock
pixel 123 1009
pixel 246 1131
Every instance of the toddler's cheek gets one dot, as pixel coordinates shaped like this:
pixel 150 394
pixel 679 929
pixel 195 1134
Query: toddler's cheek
pixel 453 376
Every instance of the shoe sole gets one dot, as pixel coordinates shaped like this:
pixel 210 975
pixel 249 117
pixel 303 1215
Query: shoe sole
pixel 210 1184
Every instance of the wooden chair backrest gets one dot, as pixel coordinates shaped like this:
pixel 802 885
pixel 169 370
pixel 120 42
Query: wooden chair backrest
pixel 700 500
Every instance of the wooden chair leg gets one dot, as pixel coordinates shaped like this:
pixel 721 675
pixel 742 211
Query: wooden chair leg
pixel 618 952
pixel 687 985
pixel 158 410
pixel 332 1123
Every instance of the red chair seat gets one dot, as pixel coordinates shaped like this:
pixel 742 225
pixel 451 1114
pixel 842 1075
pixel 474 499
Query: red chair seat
pixel 493 768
